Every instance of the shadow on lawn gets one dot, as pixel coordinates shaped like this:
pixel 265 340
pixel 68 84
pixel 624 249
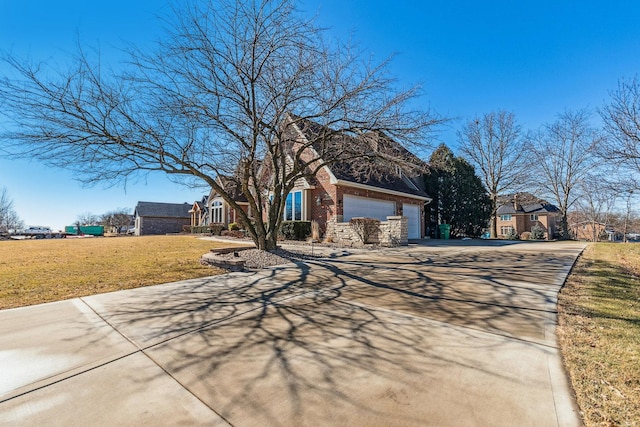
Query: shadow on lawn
pixel 614 294
pixel 344 340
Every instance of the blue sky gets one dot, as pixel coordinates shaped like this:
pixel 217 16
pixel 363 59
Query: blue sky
pixel 535 59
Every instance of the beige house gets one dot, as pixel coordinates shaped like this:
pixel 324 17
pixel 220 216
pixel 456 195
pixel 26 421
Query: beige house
pixel 515 218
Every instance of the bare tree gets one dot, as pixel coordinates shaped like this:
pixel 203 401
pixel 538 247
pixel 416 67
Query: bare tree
pixel 214 99
pixel 595 204
pixel 117 220
pixel 621 119
pixel 87 218
pixel 9 219
pixel 563 155
pixel 493 144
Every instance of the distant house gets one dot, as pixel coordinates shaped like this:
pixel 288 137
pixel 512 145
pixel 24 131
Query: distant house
pixel 514 217
pixel 199 213
pixel 161 218
pixel 593 231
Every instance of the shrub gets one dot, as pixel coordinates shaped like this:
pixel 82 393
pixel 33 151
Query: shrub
pixel 315 230
pixel 366 228
pixel 513 235
pixel 295 230
pixel 526 235
pixel 233 233
pixel 234 226
pixel 537 232
pixel 216 229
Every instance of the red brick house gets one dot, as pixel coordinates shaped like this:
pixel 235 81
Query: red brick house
pixel 339 192
pixel 522 212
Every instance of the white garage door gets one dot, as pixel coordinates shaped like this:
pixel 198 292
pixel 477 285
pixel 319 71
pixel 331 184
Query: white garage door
pixel 412 212
pixel 369 208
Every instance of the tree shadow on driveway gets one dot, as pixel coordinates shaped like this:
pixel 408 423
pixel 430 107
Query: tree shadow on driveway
pixel 349 341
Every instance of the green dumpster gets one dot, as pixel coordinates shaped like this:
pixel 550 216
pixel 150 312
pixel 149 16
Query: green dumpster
pixel 445 231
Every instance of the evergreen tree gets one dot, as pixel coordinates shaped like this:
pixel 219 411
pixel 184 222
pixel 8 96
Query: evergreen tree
pixel 459 198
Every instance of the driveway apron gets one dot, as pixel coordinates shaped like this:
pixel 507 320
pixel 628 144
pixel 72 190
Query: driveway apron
pixel 461 334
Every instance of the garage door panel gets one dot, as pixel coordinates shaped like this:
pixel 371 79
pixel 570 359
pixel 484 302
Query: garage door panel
pixel 412 212
pixel 355 206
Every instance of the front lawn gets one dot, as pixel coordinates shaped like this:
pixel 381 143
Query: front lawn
pixel 37 271
pixel 599 333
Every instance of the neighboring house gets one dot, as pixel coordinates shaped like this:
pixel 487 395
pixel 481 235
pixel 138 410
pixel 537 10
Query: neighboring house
pixel 199 213
pixel 594 231
pixel 516 218
pixel 219 211
pixel 161 218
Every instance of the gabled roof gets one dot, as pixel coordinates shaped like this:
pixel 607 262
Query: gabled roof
pixel 163 210
pixel 536 208
pixel 358 171
pixel 198 205
pixel 232 188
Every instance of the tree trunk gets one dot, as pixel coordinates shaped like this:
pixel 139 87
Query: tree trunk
pixel 564 224
pixel 493 232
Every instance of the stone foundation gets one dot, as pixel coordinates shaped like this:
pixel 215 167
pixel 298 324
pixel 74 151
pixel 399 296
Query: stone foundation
pixel 227 264
pixel 392 232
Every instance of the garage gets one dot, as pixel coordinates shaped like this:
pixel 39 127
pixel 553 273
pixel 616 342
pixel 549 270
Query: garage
pixel 355 206
pixel 412 212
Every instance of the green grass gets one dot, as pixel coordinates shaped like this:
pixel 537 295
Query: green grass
pixel 599 334
pixel 38 271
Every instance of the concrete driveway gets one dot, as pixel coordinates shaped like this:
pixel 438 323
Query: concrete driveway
pixel 450 334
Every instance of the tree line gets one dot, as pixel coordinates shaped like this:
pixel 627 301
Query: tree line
pixel 9 219
pixel 570 162
pixel 115 221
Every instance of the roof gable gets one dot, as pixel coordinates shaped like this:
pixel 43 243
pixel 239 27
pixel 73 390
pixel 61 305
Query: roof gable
pixel 360 171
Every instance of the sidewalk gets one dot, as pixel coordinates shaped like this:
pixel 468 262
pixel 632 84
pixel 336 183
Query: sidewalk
pixel 404 337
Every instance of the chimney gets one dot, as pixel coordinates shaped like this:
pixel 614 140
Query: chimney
pixel 515 202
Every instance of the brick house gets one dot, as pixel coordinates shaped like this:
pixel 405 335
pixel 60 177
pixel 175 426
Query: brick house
pixel 593 231
pixel 161 218
pixel 337 193
pixel 218 210
pixel 340 192
pixel 514 217
pixel 199 213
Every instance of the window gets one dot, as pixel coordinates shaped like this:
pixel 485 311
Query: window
pixel 534 217
pixel 506 230
pixel 505 217
pixel 216 212
pixel 293 206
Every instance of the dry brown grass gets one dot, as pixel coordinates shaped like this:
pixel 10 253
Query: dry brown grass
pixel 599 334
pixel 37 271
